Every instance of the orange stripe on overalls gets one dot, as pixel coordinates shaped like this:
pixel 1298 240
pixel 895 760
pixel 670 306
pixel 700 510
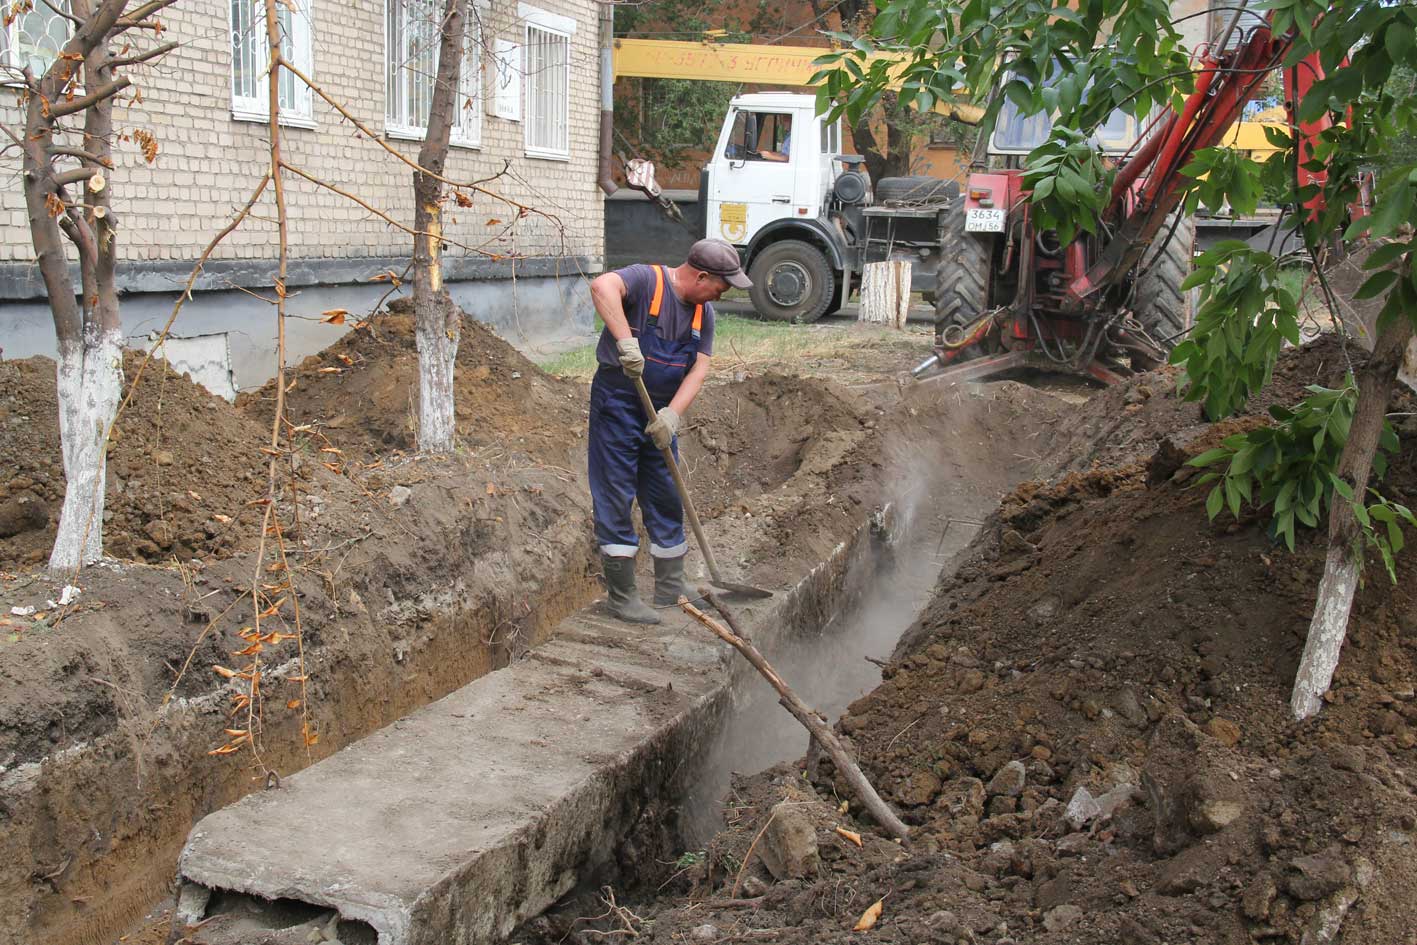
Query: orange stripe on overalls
pixel 658 292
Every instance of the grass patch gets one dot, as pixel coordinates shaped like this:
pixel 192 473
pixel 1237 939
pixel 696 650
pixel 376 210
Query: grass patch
pixel 739 341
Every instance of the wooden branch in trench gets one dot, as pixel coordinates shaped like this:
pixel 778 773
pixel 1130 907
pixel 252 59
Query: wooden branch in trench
pixel 823 734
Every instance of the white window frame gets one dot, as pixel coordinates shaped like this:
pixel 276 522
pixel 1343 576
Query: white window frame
pixel 467 127
pixel 252 104
pixel 10 64
pixel 556 25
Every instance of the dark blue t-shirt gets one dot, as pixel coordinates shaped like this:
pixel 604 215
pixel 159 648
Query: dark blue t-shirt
pixel 676 319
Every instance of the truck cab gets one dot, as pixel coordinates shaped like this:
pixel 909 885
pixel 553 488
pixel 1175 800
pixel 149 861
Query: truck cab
pixel 800 212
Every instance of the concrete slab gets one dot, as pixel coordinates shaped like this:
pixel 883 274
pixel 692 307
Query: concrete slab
pixel 459 822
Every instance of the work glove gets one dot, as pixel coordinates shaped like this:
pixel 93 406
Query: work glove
pixel 632 362
pixel 663 427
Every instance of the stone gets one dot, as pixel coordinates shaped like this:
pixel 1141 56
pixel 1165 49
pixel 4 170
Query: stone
pixel 704 933
pixel 920 789
pixel 1224 731
pixel 1082 809
pixel 1009 780
pixel 972 681
pixel 1000 805
pixel 160 532
pixel 1073 844
pixel 1040 771
pixel 1348 758
pixel 399 496
pixel 1053 893
pixel 1128 706
pixel 1062 918
pixel 944 922
pixel 1213 802
pixel 24 512
pixel 1317 876
pixel 1186 872
pixel 789 845
pixel 1259 896
pixel 1115 800
pixel 1134 933
pixel 164 458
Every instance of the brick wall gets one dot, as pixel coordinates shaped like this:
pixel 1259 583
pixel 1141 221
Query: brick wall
pixel 209 163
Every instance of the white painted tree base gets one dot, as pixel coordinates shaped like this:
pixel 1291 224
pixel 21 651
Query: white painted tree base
pixel 1326 633
pixel 885 293
pixel 90 382
pixel 437 357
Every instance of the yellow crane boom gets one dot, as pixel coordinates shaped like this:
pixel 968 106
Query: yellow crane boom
pixel 738 62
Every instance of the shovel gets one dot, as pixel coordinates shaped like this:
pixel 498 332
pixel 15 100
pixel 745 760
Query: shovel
pixel 715 576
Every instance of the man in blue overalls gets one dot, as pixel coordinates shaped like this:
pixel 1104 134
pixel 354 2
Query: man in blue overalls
pixel 658 327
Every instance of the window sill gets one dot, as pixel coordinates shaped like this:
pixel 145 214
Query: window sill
pixel 541 155
pixel 401 133
pixel 288 121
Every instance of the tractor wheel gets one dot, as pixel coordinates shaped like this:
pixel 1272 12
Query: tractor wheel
pixel 792 282
pixel 917 189
pixel 962 278
pixel 1161 306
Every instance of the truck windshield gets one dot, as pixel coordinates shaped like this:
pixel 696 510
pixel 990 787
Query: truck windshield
pixel 1014 134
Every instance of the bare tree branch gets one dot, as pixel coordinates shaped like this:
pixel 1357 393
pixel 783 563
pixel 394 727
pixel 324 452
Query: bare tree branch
pixel 80 153
pixel 61 109
pixel 148 56
pixel 75 176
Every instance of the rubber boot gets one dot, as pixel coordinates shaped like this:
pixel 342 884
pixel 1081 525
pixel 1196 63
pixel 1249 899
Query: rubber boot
pixel 669 581
pixel 625 600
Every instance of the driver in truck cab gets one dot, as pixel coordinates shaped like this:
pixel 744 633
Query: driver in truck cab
pixel 784 122
pixel 659 331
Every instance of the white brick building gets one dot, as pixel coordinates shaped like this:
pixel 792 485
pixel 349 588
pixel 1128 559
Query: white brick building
pixel 531 104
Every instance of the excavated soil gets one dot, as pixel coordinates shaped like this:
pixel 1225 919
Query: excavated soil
pixel 1088 730
pixel 179 457
pixel 361 394
pixel 413 576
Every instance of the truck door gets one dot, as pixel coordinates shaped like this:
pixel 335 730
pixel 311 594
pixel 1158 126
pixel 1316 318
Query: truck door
pixel 753 181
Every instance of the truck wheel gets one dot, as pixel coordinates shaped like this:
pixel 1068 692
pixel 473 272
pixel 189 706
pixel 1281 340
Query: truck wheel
pixel 916 189
pixel 1163 309
pixel 962 277
pixel 792 282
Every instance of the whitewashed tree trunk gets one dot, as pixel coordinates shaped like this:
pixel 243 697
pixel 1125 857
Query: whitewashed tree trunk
pixel 885 293
pixel 1343 564
pixel 1326 632
pixel 437 357
pixel 90 383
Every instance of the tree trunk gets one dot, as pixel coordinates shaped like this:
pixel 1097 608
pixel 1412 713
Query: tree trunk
pixel 438 323
pixel 86 324
pixel 885 293
pixel 1341 570
pixel 90 382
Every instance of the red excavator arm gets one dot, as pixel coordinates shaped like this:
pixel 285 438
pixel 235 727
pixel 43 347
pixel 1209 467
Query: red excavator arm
pixel 1226 81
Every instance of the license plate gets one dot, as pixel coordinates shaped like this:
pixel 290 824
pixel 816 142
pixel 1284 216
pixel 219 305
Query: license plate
pixel 980 220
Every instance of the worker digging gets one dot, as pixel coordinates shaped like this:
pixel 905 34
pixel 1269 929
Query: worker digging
pixel 658 332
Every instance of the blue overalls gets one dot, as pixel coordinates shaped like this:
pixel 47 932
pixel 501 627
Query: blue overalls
pixel 624 462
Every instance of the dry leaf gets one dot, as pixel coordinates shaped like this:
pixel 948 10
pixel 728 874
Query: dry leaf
pixel 236 732
pixel 195 497
pixel 224 750
pixel 842 807
pixel 223 672
pixel 332 449
pixel 870 917
pixel 312 739
pixel 851 835
pixel 251 650
pixel 293 704
pixel 223 519
pixel 494 222
pixel 270 451
pixel 346 359
pixel 462 199
pixel 329 370
pixel 334 316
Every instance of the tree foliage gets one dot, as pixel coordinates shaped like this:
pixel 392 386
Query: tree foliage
pixel 1080 60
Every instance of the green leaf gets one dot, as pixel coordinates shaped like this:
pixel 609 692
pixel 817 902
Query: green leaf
pixel 1376 284
pixel 1214 502
pixel 1209 457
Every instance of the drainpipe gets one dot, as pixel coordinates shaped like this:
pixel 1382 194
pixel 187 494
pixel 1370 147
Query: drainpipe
pixel 607 94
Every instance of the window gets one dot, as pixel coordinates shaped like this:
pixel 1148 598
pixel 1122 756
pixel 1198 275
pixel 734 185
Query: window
pixel 760 136
pixel 412 38
pixel 546 56
pixel 249 58
pixel 31 40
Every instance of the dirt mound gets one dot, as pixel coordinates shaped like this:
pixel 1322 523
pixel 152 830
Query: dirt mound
pixel 362 393
pixel 180 456
pixel 1089 730
pixel 1130 420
